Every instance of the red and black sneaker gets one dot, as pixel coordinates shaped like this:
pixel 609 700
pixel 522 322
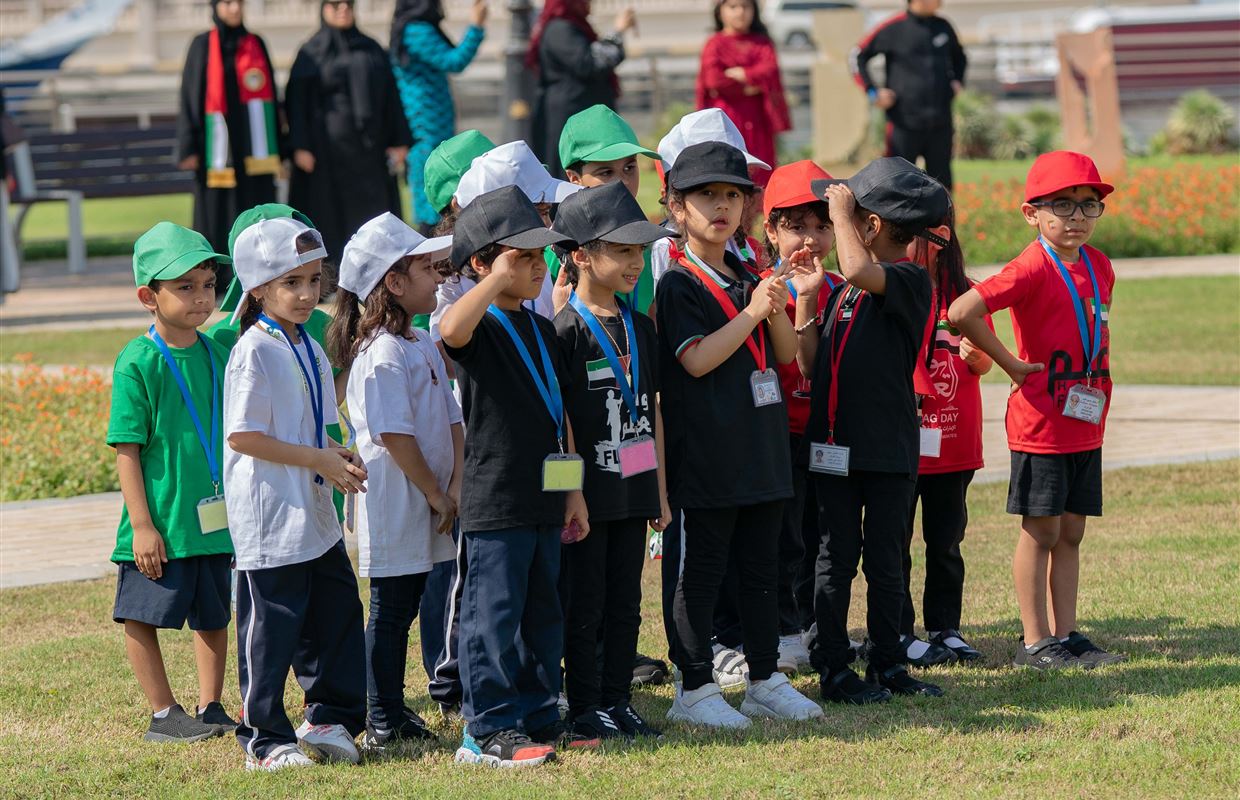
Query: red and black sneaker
pixel 562 736
pixel 503 749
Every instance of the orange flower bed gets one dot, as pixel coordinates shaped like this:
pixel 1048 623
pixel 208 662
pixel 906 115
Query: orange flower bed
pixel 1189 209
pixel 52 430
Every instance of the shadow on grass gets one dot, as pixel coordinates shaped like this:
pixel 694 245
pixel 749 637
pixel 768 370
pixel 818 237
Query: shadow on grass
pixel 1136 637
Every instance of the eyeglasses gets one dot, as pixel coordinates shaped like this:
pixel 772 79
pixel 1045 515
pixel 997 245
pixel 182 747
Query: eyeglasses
pixel 1065 208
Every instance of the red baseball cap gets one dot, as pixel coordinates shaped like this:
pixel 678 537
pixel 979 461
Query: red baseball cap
pixel 789 186
pixel 1063 169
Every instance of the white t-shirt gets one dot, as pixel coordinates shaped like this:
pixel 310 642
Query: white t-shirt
pixel 399 385
pixel 277 514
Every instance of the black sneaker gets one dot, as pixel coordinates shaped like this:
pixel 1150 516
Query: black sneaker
pixel 847 687
pixel 597 724
pixel 649 671
pixel 952 640
pixel 508 748
pixel 214 714
pixel 410 728
pixel 935 653
pixel 632 723
pixel 1090 654
pixel 1046 654
pixel 177 726
pixel 560 735
pixel 897 681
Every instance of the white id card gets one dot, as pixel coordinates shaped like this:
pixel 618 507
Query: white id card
pixel 212 514
pixel 563 472
pixel 323 508
pixel 931 443
pixel 637 456
pixel 765 386
pixel 1085 403
pixel 828 459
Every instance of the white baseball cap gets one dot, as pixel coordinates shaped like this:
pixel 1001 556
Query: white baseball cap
pixel 268 249
pixel 377 246
pixel 707 125
pixel 512 164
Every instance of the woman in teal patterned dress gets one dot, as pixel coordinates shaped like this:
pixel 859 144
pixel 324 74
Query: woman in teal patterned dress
pixel 422 56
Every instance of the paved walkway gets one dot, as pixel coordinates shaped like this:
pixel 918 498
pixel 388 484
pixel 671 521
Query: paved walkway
pixel 51 298
pixel 48 541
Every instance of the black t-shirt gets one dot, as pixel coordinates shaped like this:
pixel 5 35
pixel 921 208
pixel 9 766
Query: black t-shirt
pixel 600 416
pixel 877 413
pixel 722 452
pixel 509 431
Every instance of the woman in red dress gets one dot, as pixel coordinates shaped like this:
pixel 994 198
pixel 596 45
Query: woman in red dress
pixel 740 75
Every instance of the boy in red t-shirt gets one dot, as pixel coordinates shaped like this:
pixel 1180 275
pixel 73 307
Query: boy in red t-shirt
pixel 1059 293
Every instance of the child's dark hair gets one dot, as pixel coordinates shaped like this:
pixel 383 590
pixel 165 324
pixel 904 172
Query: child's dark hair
pixel 678 196
pixel 817 208
pixel 566 260
pixel 895 233
pixel 757 26
pixel 948 266
pixel 211 264
pixel 487 255
pixel 249 316
pixel 353 321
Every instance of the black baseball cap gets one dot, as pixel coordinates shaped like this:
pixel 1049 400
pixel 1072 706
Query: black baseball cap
pixel 606 213
pixel 709 162
pixel 898 192
pixel 503 216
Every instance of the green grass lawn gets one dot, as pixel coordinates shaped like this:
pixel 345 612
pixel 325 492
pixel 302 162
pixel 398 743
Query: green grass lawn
pixel 1159 581
pixel 1164 330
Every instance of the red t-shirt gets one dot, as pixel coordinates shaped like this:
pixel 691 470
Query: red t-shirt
pixel 792 383
pixel 1046 332
pixel 953 402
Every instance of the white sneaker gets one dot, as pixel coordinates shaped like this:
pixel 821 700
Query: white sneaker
pixel 328 742
pixel 793 655
pixel 730 668
pixel 776 698
pixel 561 703
pixel 705 706
pixel 284 756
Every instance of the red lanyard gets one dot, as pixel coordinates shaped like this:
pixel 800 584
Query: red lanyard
pixel 837 353
pixel 729 310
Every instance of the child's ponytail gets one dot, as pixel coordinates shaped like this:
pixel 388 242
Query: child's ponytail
pixel 250 314
pixel 342 332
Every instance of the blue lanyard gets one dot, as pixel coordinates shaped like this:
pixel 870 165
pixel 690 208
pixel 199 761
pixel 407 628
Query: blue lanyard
pixel 207 444
pixel 1090 347
pixel 549 390
pixel 629 393
pixel 316 396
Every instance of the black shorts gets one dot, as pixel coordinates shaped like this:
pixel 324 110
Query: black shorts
pixel 197 590
pixel 1051 484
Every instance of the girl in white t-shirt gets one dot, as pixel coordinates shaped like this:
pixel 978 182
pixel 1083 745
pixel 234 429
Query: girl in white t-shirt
pixel 297 597
pixel 410 435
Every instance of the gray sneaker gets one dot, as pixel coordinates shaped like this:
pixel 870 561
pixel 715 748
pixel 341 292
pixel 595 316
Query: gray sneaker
pixel 177 726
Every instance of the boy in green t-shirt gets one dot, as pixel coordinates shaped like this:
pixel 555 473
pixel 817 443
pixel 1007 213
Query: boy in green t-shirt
pixel 173 551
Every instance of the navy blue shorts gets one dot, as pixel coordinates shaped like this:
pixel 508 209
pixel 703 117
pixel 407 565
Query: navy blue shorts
pixel 196 590
pixel 1048 485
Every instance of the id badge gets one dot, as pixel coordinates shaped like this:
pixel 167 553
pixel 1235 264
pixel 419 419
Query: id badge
pixel 765 385
pixel 323 508
pixel 931 444
pixel 1085 403
pixel 828 459
pixel 656 545
pixel 212 514
pixel 563 472
pixel 637 456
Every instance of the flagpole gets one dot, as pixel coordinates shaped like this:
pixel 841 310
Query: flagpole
pixel 518 97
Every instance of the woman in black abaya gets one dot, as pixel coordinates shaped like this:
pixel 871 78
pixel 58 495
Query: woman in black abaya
pixel 345 127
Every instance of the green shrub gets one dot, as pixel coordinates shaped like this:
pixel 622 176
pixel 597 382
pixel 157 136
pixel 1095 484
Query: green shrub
pixel 1199 123
pixel 976 123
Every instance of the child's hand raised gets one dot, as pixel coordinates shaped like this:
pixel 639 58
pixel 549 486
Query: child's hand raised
pixel 805 272
pixel 840 203
pixel 341 468
pixel 561 291
pixel 763 302
pixel 503 268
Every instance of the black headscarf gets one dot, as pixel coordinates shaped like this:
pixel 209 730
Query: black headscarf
pixel 414 11
pixel 229 36
pixel 346 56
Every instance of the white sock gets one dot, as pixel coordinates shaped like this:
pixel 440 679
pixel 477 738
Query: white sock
pixel 917 648
pixel 162 713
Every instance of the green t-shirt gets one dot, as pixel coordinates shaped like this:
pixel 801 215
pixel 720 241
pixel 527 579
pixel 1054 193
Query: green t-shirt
pixel 148 410
pixel 225 333
pixel 639 299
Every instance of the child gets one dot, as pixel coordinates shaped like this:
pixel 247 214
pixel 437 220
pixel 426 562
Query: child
pixel 598 147
pixel 721 331
pixel 798 232
pixel 951 451
pixel 410 437
pixel 172 562
pixel 297 598
pixel 1059 293
pixel 524 488
pixel 861 437
pixel 609 393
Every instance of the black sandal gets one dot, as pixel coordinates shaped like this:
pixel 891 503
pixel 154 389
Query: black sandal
pixel 964 651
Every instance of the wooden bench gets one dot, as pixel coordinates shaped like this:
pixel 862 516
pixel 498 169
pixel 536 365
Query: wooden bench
pixel 70 167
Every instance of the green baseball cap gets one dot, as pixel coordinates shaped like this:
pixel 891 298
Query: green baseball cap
pixel 598 134
pixel 448 162
pixel 169 251
pixel 244 220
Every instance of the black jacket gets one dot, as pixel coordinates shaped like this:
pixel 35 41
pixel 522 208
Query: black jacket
pixel 923 57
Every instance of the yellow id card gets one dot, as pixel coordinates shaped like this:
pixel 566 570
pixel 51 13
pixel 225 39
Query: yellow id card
pixel 212 514
pixel 563 472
